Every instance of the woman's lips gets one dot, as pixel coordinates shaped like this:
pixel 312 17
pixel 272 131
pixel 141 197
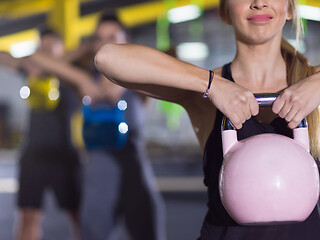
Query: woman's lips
pixel 260 18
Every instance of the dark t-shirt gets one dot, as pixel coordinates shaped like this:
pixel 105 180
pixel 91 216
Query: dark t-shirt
pixel 218 224
pixel 49 133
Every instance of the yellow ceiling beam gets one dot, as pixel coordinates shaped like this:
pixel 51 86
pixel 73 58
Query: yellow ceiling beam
pixel 28 35
pixel 65 18
pixel 148 12
pixel 313 3
pixel 140 13
pixel 23 8
pixel 86 25
pixel 20 9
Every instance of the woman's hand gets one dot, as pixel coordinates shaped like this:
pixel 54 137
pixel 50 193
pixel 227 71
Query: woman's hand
pixel 235 102
pixel 299 100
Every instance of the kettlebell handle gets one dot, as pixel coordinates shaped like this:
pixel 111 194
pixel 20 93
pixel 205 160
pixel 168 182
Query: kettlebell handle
pixel 264 100
pixel 229 134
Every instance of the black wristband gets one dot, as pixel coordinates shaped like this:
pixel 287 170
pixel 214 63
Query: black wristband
pixel 211 75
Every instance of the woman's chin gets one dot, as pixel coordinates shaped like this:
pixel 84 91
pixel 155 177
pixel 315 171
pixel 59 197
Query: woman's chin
pixel 258 39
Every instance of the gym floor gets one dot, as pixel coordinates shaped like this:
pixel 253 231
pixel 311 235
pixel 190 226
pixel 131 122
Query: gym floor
pixel 179 181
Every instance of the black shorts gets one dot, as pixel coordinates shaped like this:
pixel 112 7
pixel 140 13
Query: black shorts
pixel 59 172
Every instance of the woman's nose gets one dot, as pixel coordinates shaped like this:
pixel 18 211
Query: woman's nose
pixel 259 4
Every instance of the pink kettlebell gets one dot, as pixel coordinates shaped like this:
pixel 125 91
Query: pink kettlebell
pixel 268 178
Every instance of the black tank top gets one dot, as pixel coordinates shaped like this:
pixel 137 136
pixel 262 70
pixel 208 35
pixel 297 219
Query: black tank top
pixel 218 224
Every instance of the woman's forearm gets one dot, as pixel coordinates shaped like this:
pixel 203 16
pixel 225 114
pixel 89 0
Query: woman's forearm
pixel 63 70
pixel 136 67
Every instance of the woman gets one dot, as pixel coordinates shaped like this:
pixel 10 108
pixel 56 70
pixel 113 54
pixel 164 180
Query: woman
pixel 264 62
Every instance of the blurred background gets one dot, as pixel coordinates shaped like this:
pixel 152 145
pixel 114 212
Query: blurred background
pixel 190 28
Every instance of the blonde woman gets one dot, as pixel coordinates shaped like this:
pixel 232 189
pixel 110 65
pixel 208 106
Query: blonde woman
pixel 264 62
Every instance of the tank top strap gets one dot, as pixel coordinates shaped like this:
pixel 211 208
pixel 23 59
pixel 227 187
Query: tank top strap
pixel 226 72
pixel 213 147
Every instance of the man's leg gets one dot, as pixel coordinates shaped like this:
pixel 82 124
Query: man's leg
pixel 143 205
pixel 101 186
pixel 29 224
pixel 32 182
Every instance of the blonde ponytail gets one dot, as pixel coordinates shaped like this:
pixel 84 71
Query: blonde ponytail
pixel 298 67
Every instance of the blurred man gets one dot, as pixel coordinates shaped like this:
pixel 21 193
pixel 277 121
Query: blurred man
pixel 118 180
pixel 48 159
